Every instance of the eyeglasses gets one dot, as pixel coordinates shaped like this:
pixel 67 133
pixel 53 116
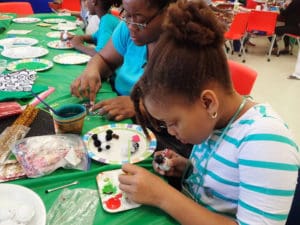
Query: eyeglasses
pixel 139 26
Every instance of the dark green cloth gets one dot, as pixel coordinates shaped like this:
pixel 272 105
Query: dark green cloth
pixel 4 23
pixel 13 95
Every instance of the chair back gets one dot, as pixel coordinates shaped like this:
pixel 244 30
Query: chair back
pixel 251 4
pixel 238 26
pixel 73 5
pixel 262 21
pixel 242 77
pixel 294 215
pixel 20 8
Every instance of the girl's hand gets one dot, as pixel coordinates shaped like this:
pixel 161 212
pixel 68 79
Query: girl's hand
pixel 176 162
pixel 141 186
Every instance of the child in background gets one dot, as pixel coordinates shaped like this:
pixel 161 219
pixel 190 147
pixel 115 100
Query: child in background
pixel 244 165
pixel 106 27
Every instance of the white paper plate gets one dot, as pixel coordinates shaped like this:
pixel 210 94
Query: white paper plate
pixel 24 52
pixel 18 41
pixel 71 58
pixel 112 198
pixel 58 44
pixel 26 20
pixel 56 34
pixel 118 152
pixel 12 196
pixel 54 20
pixel 35 64
pixel 64 26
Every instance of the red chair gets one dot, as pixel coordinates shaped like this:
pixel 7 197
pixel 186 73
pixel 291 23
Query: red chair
pixel 20 8
pixel 237 31
pixel 243 77
pixel 262 24
pixel 73 5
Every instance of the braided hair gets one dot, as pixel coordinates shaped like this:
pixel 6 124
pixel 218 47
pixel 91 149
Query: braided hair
pixel 188 56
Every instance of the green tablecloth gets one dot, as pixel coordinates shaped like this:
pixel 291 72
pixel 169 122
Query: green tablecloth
pixel 60 77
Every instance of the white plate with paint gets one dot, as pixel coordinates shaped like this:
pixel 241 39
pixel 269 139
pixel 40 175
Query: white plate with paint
pixel 58 44
pixel 20 205
pixel 121 149
pixel 112 198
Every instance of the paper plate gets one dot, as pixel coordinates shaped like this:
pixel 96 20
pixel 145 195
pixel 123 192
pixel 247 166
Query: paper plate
pixel 71 58
pixel 118 151
pixel 5 17
pixel 112 198
pixel 58 44
pixel 64 26
pixel 54 20
pixel 18 41
pixel 21 203
pixel 56 34
pixel 24 52
pixel 35 64
pixel 26 20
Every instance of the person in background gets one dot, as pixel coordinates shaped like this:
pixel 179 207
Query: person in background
pixel 290 15
pixel 107 25
pixel 244 165
pixel 122 61
pixel 123 58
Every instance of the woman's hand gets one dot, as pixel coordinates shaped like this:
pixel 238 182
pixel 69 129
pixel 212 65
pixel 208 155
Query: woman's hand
pixel 89 82
pixel 76 40
pixel 141 186
pixel 176 162
pixel 117 109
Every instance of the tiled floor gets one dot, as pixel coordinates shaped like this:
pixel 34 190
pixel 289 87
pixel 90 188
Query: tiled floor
pixel 272 84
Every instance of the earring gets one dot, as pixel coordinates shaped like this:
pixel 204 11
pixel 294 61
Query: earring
pixel 214 115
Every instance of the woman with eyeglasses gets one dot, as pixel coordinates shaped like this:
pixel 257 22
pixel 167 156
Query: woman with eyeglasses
pixel 123 58
pixel 244 165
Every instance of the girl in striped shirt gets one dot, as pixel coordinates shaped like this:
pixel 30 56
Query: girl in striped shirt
pixel 244 165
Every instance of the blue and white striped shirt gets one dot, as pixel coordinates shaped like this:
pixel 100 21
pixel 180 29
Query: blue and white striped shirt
pixel 253 174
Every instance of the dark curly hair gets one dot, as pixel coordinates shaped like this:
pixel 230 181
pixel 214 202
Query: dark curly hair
pixel 188 56
pixel 107 4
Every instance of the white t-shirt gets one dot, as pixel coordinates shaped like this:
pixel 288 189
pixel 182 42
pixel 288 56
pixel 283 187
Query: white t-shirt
pixel 93 24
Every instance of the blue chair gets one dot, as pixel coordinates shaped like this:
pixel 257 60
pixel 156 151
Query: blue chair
pixel 294 215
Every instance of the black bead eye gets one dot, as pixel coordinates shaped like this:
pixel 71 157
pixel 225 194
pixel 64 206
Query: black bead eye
pixel 159 159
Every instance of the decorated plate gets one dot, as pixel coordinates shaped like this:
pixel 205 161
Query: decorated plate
pixel 71 58
pixel 112 198
pixel 54 20
pixel 18 41
pixel 64 26
pixel 5 17
pixel 58 44
pixel 127 144
pixel 26 20
pixel 56 34
pixel 20 205
pixel 24 52
pixel 35 64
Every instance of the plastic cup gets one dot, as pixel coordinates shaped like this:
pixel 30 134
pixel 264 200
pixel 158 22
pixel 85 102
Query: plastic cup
pixel 69 119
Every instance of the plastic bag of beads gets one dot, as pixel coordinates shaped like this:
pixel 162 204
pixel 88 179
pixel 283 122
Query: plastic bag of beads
pixel 74 207
pixel 41 155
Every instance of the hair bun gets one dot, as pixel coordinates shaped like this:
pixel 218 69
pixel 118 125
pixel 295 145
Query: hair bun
pixel 193 23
